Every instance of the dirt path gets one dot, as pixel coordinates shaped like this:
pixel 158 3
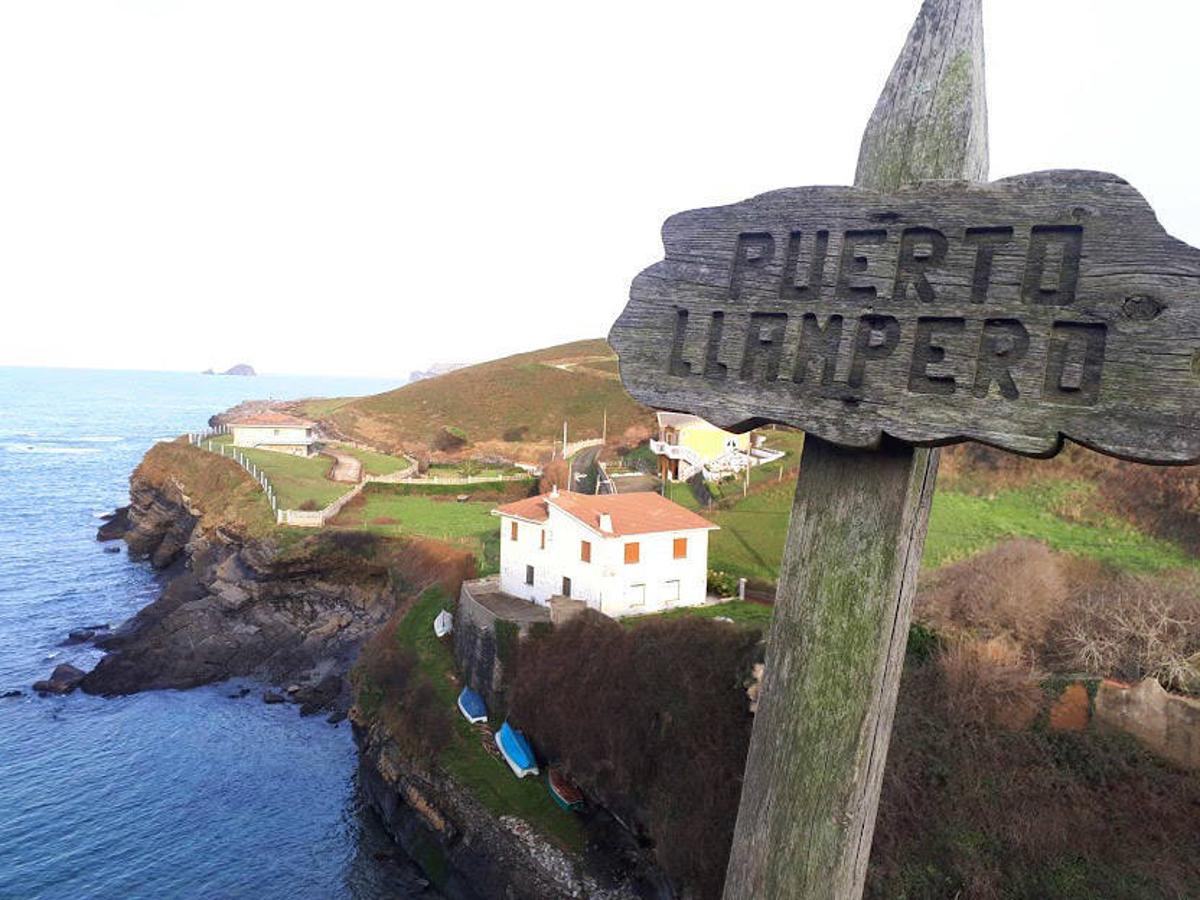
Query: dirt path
pixel 346 468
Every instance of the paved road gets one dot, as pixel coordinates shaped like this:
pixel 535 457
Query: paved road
pixel 584 462
pixel 346 468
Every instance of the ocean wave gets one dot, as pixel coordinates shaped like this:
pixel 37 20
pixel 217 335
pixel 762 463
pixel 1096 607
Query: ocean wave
pixel 99 439
pixel 32 448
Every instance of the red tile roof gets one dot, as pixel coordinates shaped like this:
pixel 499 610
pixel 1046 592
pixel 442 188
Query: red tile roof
pixel 272 419
pixel 643 513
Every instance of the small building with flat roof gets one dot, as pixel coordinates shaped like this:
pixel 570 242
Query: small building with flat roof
pixel 275 431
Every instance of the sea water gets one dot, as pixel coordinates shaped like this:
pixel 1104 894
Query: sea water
pixel 167 793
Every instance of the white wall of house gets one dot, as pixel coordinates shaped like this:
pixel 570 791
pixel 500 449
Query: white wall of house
pixel 283 438
pixel 609 584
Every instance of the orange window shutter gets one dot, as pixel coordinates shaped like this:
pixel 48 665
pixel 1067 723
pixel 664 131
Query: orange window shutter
pixel 681 548
pixel 513 533
pixel 633 552
pixel 543 538
pixel 585 551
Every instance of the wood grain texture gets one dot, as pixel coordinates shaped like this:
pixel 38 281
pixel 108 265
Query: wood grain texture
pixel 1014 313
pixel 838 633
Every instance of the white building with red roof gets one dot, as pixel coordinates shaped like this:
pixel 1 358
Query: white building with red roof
pixel 621 554
pixel 274 431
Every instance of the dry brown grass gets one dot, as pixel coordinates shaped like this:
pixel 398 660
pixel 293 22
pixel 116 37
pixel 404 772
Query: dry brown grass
pixel 526 395
pixel 1013 590
pixel 989 682
pixel 1067 615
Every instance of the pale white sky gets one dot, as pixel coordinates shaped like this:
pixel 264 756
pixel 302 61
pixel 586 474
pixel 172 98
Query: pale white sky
pixel 366 188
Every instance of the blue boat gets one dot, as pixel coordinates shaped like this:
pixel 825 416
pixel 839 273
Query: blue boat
pixel 516 751
pixel 471 705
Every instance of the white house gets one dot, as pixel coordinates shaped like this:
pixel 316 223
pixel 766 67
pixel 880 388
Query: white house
pixel 621 554
pixel 274 431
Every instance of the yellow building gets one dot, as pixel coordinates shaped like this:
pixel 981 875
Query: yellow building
pixel 688 444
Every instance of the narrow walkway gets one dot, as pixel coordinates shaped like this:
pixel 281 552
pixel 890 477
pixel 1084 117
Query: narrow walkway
pixel 346 468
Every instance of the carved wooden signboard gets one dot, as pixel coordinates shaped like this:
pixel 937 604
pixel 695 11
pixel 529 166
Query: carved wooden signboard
pixel 1013 313
pixel 913 310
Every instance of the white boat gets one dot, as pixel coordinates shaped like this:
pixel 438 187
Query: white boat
pixel 443 624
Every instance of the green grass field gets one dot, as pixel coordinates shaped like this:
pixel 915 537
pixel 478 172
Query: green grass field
pixel 756 614
pixel 375 463
pixel 488 778
pixel 470 524
pixel 296 480
pixel 750 542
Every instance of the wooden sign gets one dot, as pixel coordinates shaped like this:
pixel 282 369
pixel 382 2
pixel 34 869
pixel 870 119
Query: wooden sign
pixel 1014 313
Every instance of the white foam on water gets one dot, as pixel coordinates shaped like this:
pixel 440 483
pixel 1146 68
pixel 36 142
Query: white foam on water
pixel 31 448
pixel 99 439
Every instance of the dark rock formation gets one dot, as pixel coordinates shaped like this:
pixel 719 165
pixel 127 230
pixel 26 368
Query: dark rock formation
pixel 79 636
pixel 273 697
pixel 64 679
pixel 472 854
pixel 10 695
pixel 114 525
pixel 232 607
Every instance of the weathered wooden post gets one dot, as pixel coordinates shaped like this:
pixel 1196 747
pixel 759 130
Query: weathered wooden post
pixel 919 308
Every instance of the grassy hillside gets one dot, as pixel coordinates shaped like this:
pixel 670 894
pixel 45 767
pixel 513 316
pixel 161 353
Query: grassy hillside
pixel 219 488
pixel 1079 504
pixel 514 405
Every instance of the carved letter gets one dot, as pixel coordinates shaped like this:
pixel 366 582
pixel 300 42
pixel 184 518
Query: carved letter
pixel 921 249
pixel 854 263
pixel 986 240
pixel 764 342
pixel 1002 345
pixel 1073 371
pixel 713 368
pixel 677 365
pixel 1068 243
pixel 754 250
pixel 788 289
pixel 876 338
pixel 926 353
pixel 818 344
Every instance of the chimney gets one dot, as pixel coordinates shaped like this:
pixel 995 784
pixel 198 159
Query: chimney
pixel 554 491
pixel 606 523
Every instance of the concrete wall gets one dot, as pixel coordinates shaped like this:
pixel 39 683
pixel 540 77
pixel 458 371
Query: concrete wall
pixel 1166 723
pixel 656 582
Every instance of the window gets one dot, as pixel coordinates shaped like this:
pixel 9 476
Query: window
pixel 529 574
pixel 635 595
pixel 512 532
pixel 670 593
pixel 585 551
pixel 543 538
pixel 633 552
pixel 681 548
pixel 566 591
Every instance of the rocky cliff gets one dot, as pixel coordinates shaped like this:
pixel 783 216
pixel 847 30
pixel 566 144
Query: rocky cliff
pixel 470 853
pixel 292 614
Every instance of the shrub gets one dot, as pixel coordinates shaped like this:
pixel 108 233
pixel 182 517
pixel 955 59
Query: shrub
pixel 390 686
pixel 515 435
pixel 555 474
pixel 653 722
pixel 989 682
pixel 1132 627
pixel 449 439
pixel 309 506
pixel 722 584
